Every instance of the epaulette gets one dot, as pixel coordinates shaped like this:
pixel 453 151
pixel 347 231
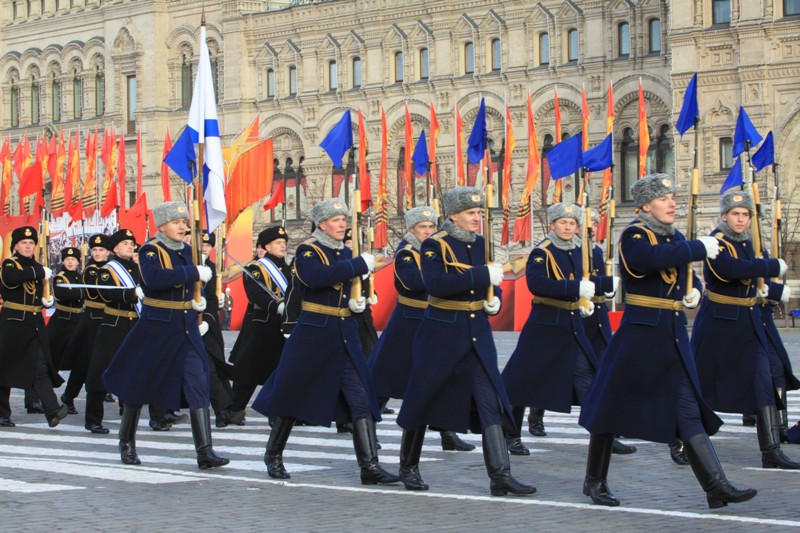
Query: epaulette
pixel 438 235
pixel 544 244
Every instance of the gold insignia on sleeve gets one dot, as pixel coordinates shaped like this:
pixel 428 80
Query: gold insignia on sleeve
pixel 151 254
pixel 309 253
pixel 721 248
pixel 256 274
pixel 637 236
pixel 406 259
pixel 104 276
pixel 538 260
pixel 430 254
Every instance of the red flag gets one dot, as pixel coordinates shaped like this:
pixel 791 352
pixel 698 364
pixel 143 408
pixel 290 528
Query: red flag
pixel 381 218
pixel 165 169
pixel 584 139
pixel 139 165
pixel 409 147
pixel 522 225
pixel 276 198
pixel 110 203
pixel 505 194
pixel 644 133
pixel 136 219
pixel 122 171
pixel 89 196
pixel 73 181
pixel 56 162
pixel 76 212
pixel 435 130
pixel 7 178
pixel 461 177
pixel 366 193
pixel 32 181
pixel 605 194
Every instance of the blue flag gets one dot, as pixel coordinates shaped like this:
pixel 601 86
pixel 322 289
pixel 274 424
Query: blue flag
pixel 182 158
pixel 420 155
pixel 339 140
pixel 478 136
pixel 599 157
pixel 734 178
pixel 565 158
pixel 765 155
pixel 745 131
pixel 690 111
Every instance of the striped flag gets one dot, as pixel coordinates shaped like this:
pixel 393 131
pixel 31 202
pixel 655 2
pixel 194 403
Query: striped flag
pixel 522 225
pixel 608 178
pixel 644 133
pixel 505 193
pixel 381 217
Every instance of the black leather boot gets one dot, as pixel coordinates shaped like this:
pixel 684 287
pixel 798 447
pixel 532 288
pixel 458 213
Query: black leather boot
pixel 201 432
pixel 127 435
pixel 227 417
pixel 70 404
pixel 783 415
pixel 451 442
pixel 278 435
pixel 677 451
pixel 620 448
pixel 769 440
pixel 749 420
pixel 498 464
pixel 171 417
pixel 595 485
pixel 410 450
pixel 514 442
pixel 708 471
pixel 536 422
pixel 366 450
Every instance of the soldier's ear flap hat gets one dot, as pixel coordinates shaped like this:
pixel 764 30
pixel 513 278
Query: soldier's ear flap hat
pixel 651 187
pixel 419 214
pixel 328 209
pixel 70 252
pixel 271 234
pixel 99 241
pixel 169 211
pixel 209 239
pixel 735 198
pixel 25 232
pixel 121 235
pixel 462 198
pixel 556 211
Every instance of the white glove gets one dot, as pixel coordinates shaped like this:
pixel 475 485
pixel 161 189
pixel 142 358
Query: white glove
pixel 374 299
pixel 139 293
pixel 786 294
pixel 357 306
pixel 203 258
pixel 614 287
pixel 286 335
pixel 586 312
pixel 203 328
pixel 199 306
pixel 369 259
pixel 281 308
pixel 712 246
pixel 495 273
pixel 762 292
pixel 492 307
pixel 48 272
pixel 586 289
pixel 205 273
pixel 692 300
pixel 48 302
pixel 784 267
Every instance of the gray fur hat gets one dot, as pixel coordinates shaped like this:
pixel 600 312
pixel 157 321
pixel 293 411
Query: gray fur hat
pixel 420 214
pixel 168 211
pixel 328 209
pixel 736 198
pixel 652 186
pixel 462 198
pixel 556 211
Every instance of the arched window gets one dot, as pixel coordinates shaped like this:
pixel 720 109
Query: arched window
pixel 186 81
pixel 292 80
pixel 333 76
pixel 14 111
pixel 664 160
pixel 99 93
pixel 399 74
pixel 469 58
pixel 654 29
pixel 77 96
pixel 357 72
pixel 544 49
pixel 424 65
pixel 573 46
pixel 624 39
pixel 720 11
pixel 629 152
pixel 270 83
pixel 35 101
pixel 55 99
pixel 497 55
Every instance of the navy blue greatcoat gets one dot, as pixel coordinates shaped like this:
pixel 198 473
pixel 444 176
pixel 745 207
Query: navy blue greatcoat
pixel 391 362
pixel 779 357
pixel 450 345
pixel 635 391
pixel 598 325
pixel 727 339
pixel 149 366
pixel 541 371
pixel 308 381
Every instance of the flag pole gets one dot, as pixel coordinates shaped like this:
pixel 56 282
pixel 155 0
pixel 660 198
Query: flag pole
pixel 694 192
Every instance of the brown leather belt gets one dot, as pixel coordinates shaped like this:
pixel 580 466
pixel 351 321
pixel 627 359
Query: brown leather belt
pixel 455 305
pixel 730 300
pixel 119 312
pixel 167 304
pixel 412 302
pixel 653 302
pixel 311 307
pixel 68 309
pixel 22 307
pixel 560 304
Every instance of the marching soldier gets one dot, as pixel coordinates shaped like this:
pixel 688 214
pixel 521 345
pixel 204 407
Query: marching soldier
pixel 455 383
pixel 322 375
pixel 258 347
pixel 728 337
pixel 163 360
pixel 25 358
pixel 392 361
pixel 647 385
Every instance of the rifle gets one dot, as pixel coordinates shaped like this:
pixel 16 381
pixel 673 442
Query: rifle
pixel 611 214
pixel 777 217
pixel 586 255
pixel 44 245
pixel 355 283
pixel 487 218
pixel 755 226
pixel 691 217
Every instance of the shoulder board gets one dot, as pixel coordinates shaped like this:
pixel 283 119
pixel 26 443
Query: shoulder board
pixel 62 277
pixel 408 247
pixel 544 244
pixel 309 241
pixel 439 235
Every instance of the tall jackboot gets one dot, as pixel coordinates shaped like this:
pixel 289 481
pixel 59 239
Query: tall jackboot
pixel 451 442
pixel 677 451
pixel 410 450
pixel 366 448
pixel 769 440
pixel 536 422
pixel 783 415
pixel 127 435
pixel 201 432
pixel 498 464
pixel 514 442
pixel 595 485
pixel 278 435
pixel 708 471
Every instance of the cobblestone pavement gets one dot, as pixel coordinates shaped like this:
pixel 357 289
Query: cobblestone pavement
pixel 66 479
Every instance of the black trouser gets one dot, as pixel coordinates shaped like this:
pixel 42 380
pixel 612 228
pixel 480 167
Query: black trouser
pixel 220 391
pixel 76 380
pixel 95 408
pixel 242 392
pixel 5 402
pixel 43 385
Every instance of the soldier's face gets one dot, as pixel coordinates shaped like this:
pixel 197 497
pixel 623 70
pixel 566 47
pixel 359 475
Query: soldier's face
pixel 125 249
pixel 25 247
pixel 738 219
pixel 99 253
pixel 423 230
pixel 662 208
pixel 174 229
pixel 468 220
pixel 335 227
pixel 277 248
pixel 205 248
pixel 70 263
pixel 565 228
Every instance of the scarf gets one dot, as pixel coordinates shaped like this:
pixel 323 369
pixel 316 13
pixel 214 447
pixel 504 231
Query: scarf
pixel 457 233
pixel 413 241
pixel 327 240
pixel 560 243
pixel 665 230
pixel 169 243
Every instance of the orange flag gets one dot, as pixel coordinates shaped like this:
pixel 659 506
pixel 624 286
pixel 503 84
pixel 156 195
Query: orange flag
pixel 381 218
pixel 121 170
pixel 89 196
pixel 409 147
pixel 461 177
pixel 363 175
pixel 72 194
pixel 435 130
pixel 644 133
pixel 165 169
pixel 584 139
pixel 7 178
pixel 605 194
pixel 57 177
pixel 522 225
pixel 505 195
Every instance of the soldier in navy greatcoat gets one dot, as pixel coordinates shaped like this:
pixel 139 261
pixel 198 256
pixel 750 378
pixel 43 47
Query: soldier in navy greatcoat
pixel 730 344
pixel 455 383
pixel 322 375
pixel 647 386
pixel 163 361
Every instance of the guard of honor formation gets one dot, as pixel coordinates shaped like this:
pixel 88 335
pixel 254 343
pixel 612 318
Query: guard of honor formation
pixel 315 351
